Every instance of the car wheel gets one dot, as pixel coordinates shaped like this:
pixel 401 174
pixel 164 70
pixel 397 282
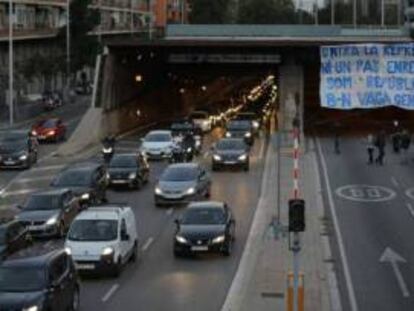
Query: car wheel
pixel 177 254
pixel 214 168
pixel 246 167
pixel 117 268
pixel 228 248
pixel 75 300
pixel 135 256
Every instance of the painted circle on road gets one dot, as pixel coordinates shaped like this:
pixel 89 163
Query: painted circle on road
pixel 366 193
pixel 410 193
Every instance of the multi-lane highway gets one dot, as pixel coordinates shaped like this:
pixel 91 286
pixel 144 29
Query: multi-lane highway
pixel 158 279
pixel 373 206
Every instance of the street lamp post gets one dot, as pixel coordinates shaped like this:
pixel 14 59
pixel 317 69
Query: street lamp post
pixel 11 65
pixel 68 46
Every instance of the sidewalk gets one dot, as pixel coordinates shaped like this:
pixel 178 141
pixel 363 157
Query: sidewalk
pixel 265 286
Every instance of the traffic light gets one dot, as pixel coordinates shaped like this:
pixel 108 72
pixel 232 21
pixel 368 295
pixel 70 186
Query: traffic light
pixel 296 215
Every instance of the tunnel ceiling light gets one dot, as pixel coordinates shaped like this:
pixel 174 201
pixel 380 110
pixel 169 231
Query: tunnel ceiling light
pixel 204 88
pixel 138 78
pixel 182 90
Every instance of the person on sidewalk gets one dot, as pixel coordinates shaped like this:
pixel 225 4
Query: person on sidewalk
pixel 370 148
pixel 380 143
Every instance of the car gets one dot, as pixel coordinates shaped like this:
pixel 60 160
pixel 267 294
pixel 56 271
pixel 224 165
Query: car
pixel 205 227
pixel 49 213
pixel 202 119
pixel 230 152
pixel 182 183
pixel 240 129
pixel 252 117
pixel 51 129
pixel 130 170
pixel 86 180
pixel 103 239
pixel 39 279
pixel 13 237
pixel 17 149
pixel 157 145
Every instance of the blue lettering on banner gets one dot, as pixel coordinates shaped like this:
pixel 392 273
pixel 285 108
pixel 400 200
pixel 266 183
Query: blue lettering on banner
pixel 367 76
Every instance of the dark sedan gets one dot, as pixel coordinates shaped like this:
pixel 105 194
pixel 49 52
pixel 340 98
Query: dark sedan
pixel 49 213
pixel 86 180
pixel 230 152
pixel 182 183
pixel 130 170
pixel 17 150
pixel 241 129
pixel 13 237
pixel 205 227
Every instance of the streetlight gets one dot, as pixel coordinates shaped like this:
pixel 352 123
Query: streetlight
pixel 67 45
pixel 138 78
pixel 11 60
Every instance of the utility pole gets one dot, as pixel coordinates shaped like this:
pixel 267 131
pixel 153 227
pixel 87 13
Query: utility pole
pixel 354 11
pixel 382 13
pixel 150 19
pixel 68 46
pixel 333 12
pixel 11 64
pixel 100 24
pixel 182 11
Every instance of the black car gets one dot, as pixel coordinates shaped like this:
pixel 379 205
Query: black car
pixel 240 129
pixel 230 152
pixel 17 149
pixel 86 180
pixel 39 279
pixel 13 237
pixel 205 227
pixel 49 213
pixel 130 170
pixel 252 117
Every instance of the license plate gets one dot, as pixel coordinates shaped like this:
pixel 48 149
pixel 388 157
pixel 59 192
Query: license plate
pixel 9 162
pixel 41 137
pixel 230 162
pixel 199 248
pixel 119 181
pixel 85 266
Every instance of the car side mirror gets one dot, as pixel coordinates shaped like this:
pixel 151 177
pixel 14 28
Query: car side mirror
pixel 125 236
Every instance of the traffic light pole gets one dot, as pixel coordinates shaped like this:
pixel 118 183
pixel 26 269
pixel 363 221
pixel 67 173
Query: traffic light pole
pixel 296 250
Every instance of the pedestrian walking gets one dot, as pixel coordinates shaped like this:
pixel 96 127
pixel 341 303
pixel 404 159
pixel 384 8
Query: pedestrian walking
pixel 336 143
pixel 370 148
pixel 380 144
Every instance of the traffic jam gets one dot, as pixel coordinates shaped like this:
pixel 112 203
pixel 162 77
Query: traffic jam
pixel 94 236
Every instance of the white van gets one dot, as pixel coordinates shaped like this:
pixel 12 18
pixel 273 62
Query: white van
pixel 103 239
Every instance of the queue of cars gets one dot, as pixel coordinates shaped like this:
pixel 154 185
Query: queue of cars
pixel 102 237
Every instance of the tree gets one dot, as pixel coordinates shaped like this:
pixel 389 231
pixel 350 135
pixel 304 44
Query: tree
pixel 209 11
pixel 84 47
pixel 267 12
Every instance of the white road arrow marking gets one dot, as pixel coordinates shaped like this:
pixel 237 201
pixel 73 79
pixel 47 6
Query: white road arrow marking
pixel 390 256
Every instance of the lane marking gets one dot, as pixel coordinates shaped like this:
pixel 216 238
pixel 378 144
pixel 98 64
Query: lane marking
pixel 344 258
pixel 110 292
pixel 48 168
pixel 394 182
pixel 169 211
pixel 262 149
pixel 147 244
pixel 410 208
pixel 365 193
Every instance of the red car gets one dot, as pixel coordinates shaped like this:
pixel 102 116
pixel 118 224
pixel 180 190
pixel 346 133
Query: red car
pixel 49 130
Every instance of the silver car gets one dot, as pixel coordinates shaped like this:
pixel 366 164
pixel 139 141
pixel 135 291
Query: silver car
pixel 182 183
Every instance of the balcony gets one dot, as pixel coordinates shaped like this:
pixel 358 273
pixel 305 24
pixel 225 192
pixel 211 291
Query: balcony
pixel 27 34
pixel 59 3
pixel 117 6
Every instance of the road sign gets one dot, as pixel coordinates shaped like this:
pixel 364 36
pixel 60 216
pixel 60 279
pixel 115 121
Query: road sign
pixel 365 193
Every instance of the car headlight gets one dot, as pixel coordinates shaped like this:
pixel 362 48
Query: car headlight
pixel 68 250
pixel 248 134
pixel 216 157
pixel 108 176
pixel 85 196
pixel 228 134
pixel 197 143
pixel 205 123
pixel 23 157
pixel 256 124
pixel 190 191
pixel 32 308
pixel 243 157
pixel 219 239
pixel 51 221
pixel 34 133
pixel 158 190
pixel 107 251
pixel 132 175
pixel 51 133
pixel 180 239
pixel 107 150
pixel 189 149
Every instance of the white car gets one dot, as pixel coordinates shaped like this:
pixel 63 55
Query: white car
pixel 103 239
pixel 158 145
pixel 202 119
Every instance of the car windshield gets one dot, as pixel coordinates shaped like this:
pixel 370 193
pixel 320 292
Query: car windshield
pixel 93 230
pixel 48 123
pixel 157 137
pixel 181 127
pixel 123 161
pixel 12 144
pixel 204 216
pixel 231 144
pixel 246 116
pixel 42 202
pixel 179 174
pixel 73 178
pixel 239 125
pixel 199 115
pixel 22 279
